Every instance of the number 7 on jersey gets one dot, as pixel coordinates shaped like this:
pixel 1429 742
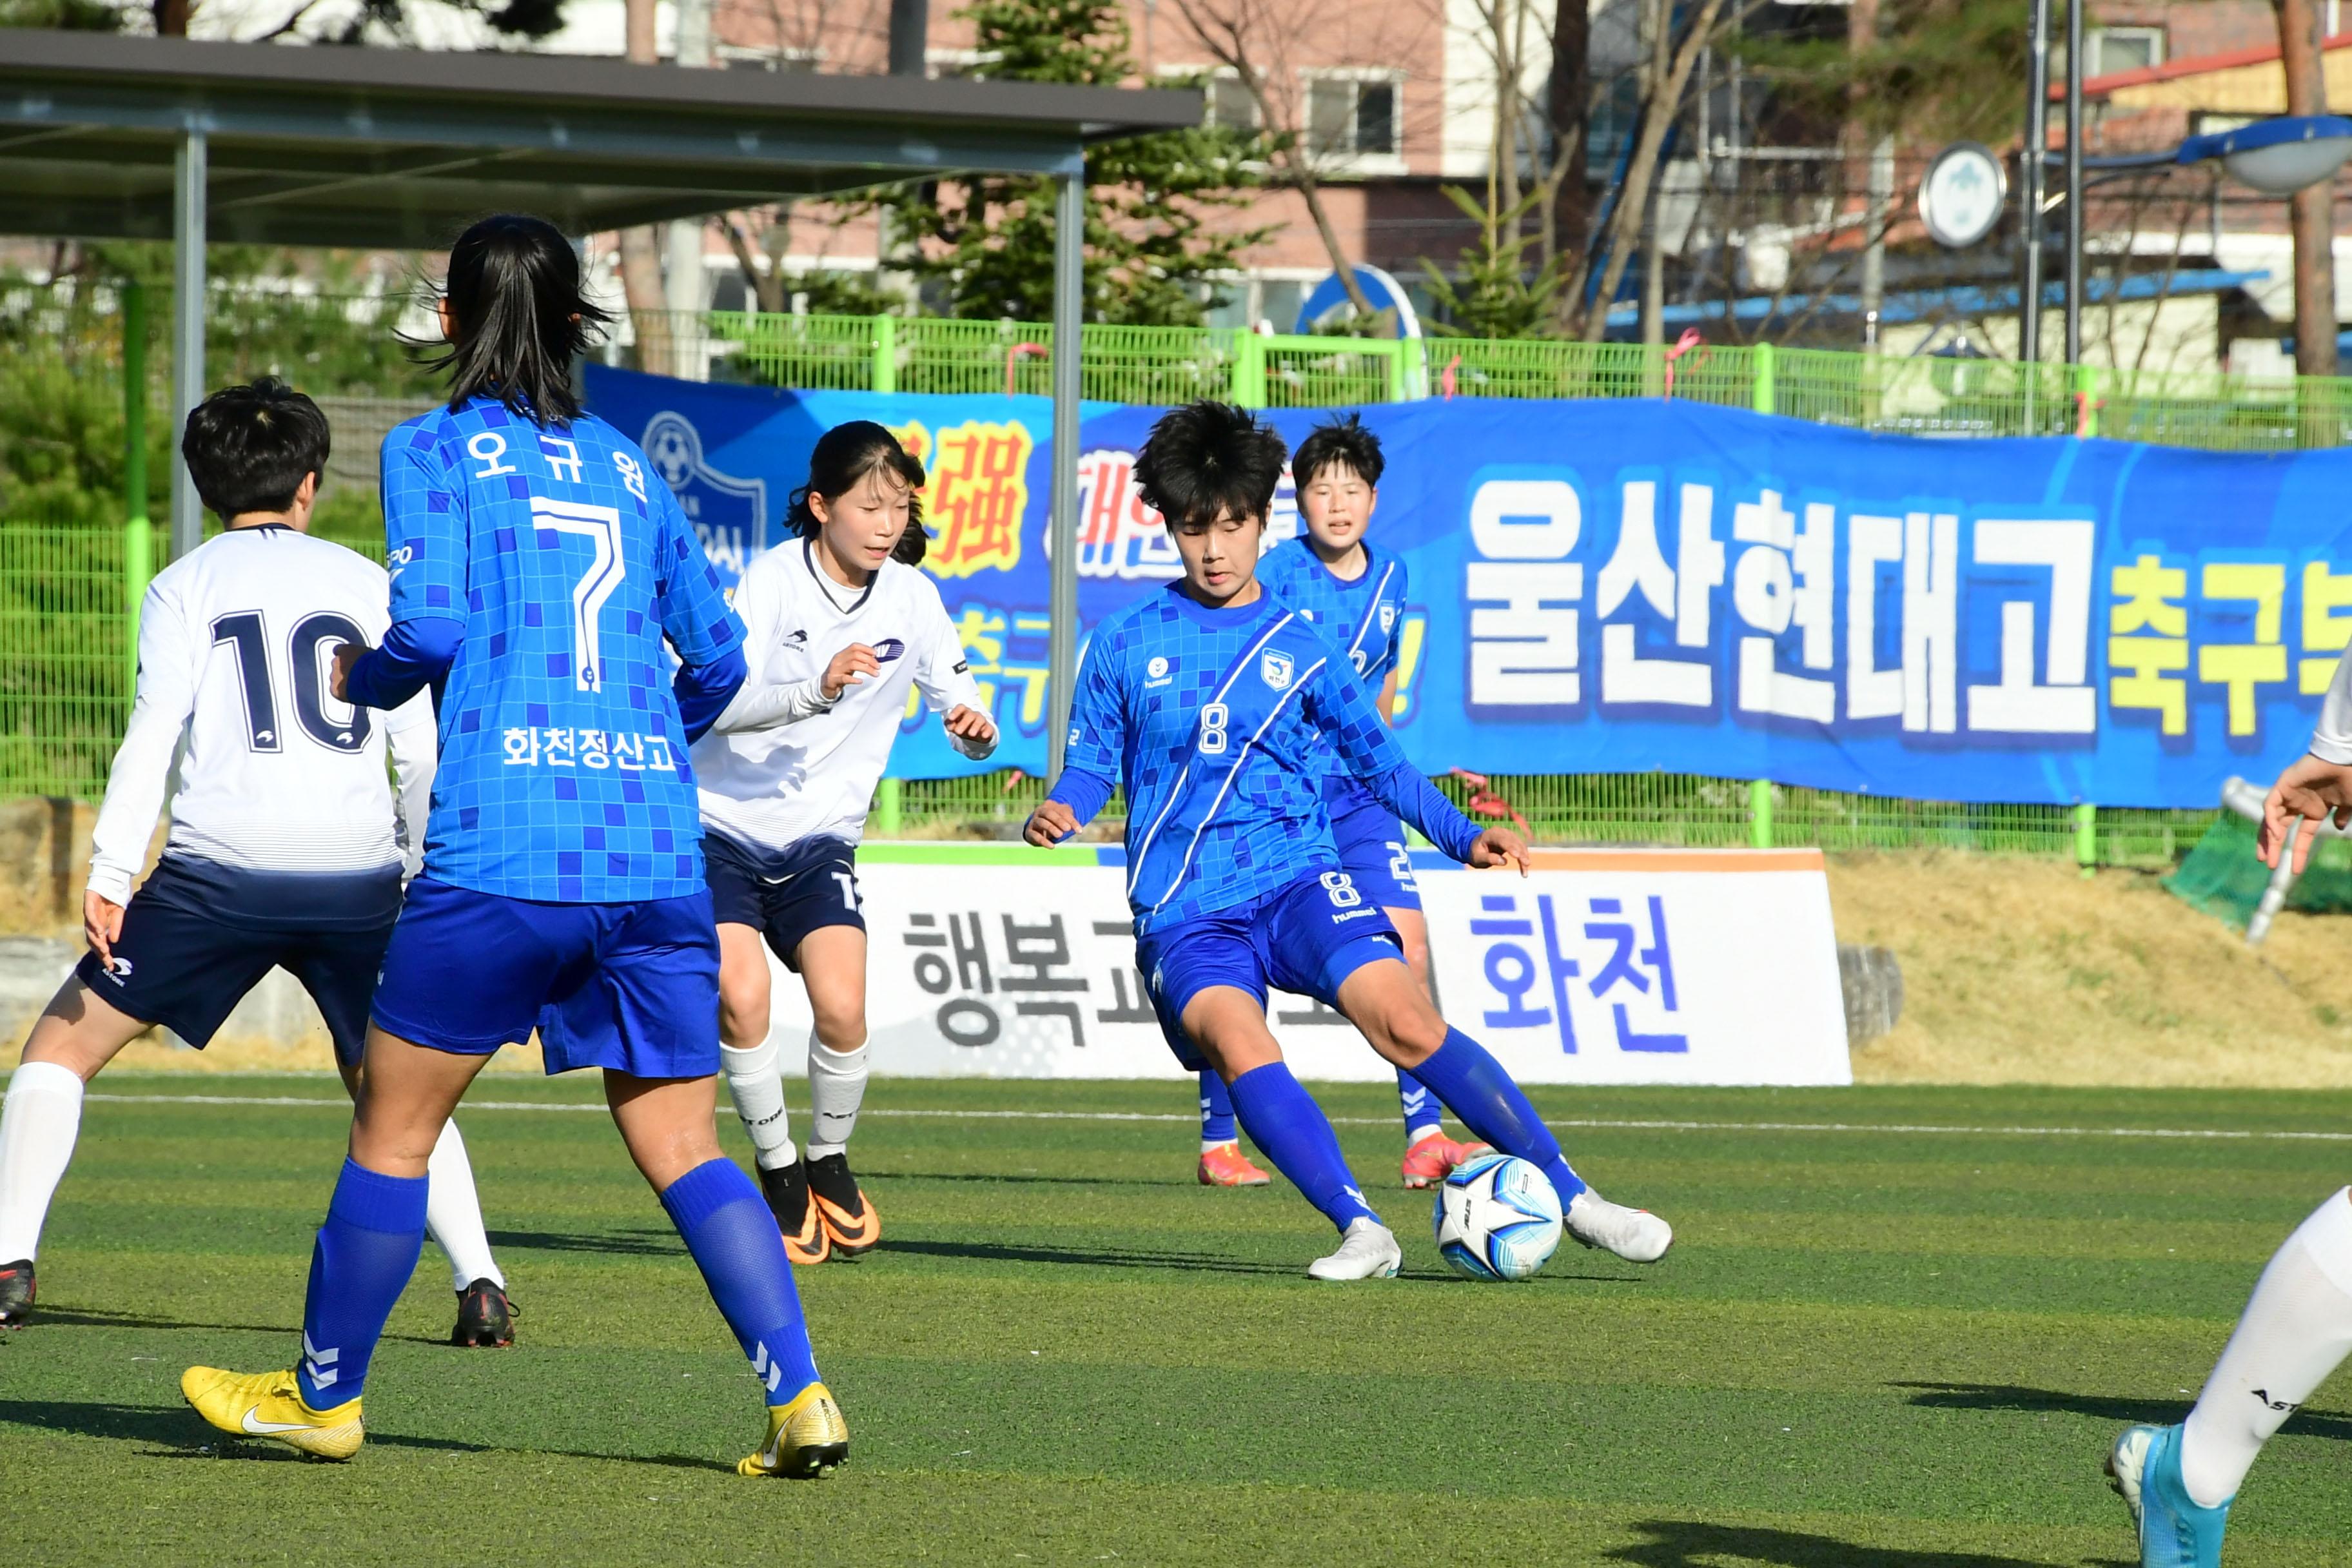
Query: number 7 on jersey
pixel 602 525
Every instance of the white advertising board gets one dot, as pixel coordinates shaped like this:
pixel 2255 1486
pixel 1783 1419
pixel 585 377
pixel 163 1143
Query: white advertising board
pixel 1604 966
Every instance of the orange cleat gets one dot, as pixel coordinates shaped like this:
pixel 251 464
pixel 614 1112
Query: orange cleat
pixel 1226 1166
pixel 1427 1161
pixel 787 1191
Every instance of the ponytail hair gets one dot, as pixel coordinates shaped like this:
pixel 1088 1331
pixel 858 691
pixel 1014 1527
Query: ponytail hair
pixel 513 291
pixel 844 456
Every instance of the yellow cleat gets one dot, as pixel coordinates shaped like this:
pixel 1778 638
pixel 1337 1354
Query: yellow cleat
pixel 808 1439
pixel 268 1405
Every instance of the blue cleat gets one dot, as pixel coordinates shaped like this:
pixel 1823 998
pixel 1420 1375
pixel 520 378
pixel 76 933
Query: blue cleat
pixel 2174 1531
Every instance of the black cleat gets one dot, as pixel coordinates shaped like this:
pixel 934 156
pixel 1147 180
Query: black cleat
pixel 17 1293
pixel 787 1191
pixel 849 1220
pixel 485 1317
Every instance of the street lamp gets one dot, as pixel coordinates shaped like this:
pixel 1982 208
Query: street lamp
pixel 2277 157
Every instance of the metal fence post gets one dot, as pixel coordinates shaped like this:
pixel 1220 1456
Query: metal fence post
pixel 1763 395
pixel 2086 837
pixel 1759 814
pixel 886 353
pixel 188 303
pixel 889 808
pixel 138 532
pixel 1249 368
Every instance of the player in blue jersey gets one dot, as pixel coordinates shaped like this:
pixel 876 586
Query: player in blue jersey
pixel 1217 706
pixel 1355 592
pixel 543 577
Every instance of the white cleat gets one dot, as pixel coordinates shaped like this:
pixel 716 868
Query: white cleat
pixel 1368 1250
pixel 1637 1236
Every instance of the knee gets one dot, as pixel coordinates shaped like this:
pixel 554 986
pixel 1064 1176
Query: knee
pixel 744 1005
pixel 1417 1033
pixel 840 1021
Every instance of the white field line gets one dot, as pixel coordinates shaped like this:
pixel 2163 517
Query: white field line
pixel 1600 1123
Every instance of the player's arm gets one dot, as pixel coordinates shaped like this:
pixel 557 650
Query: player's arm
pixel 166 696
pixel 758 705
pixel 2317 788
pixel 1090 762
pixel 413 739
pixel 1371 754
pixel 703 630
pixel 425 547
pixel 1395 649
pixel 1387 700
pixel 944 677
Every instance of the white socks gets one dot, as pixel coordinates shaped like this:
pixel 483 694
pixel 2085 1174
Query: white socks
pixel 2295 1330
pixel 758 1087
pixel 37 1128
pixel 837 1089
pixel 453 1214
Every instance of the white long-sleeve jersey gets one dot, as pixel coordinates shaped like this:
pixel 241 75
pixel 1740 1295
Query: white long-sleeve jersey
pixel 283 795
pixel 783 764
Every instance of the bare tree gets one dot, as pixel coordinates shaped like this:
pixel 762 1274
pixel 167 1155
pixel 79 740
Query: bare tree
pixel 1256 40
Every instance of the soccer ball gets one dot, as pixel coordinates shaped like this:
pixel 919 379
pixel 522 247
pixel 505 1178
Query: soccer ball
pixel 1497 1218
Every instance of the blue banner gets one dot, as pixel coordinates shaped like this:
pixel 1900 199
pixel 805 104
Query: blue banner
pixel 1618 586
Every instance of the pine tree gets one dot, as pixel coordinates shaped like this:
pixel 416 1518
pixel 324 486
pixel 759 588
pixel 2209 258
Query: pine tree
pixel 984 248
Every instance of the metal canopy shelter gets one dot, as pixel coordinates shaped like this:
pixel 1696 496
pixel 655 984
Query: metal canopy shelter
pixel 141 138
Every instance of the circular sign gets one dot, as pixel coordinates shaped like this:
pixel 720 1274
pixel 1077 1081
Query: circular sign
pixel 1963 196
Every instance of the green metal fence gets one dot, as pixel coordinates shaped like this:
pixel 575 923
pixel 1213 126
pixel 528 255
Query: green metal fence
pixel 70 569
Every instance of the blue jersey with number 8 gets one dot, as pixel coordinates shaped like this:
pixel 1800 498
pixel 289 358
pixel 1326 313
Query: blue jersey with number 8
pixel 563 772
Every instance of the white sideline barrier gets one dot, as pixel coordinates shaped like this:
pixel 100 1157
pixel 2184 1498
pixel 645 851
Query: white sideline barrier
pixel 1011 971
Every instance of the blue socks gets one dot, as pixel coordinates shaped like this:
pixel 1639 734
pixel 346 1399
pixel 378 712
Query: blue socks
pixel 734 1240
pixel 1475 1087
pixel 365 1252
pixel 1420 1106
pixel 1216 1110
pixel 1287 1124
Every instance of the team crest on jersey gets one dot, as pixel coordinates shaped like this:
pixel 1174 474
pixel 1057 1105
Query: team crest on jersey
pixel 887 650
pixel 1275 669
pixel 1158 670
pixel 1387 618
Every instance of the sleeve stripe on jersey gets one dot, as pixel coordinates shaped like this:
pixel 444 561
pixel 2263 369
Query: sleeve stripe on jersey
pixel 1240 757
pixel 1371 610
pixel 1135 861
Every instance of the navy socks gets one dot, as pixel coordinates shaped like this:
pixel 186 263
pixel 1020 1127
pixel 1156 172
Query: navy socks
pixel 733 1238
pixel 1475 1087
pixel 365 1252
pixel 1287 1124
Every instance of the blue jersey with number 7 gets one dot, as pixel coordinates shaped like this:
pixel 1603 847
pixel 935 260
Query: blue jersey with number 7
pixel 563 772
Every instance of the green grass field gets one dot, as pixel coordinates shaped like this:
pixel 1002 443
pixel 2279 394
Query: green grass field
pixel 1871 1347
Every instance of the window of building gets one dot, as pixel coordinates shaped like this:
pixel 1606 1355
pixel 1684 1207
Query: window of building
pixel 2111 49
pixel 1348 117
pixel 1231 105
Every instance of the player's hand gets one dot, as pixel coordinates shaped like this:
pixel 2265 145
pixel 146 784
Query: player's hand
pixel 1050 824
pixel 971 724
pixel 101 925
pixel 2312 789
pixel 339 680
pixel 848 667
pixel 1500 847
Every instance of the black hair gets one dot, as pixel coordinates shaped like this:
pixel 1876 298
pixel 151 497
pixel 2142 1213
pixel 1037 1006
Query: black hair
pixel 1343 441
pixel 1209 458
pixel 248 447
pixel 513 287
pixel 846 454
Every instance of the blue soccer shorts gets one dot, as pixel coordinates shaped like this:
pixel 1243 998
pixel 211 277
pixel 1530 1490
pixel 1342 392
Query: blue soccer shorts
pixel 633 987
pixel 785 894
pixel 1305 937
pixel 1372 848
pixel 185 962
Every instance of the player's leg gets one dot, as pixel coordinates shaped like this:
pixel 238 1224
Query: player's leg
pixel 1383 1000
pixel 173 965
pixel 749 1058
pixel 77 1035
pixel 1222 1164
pixel 339 969
pixel 1226 1025
pixel 1429 1154
pixel 725 1223
pixel 2179 1481
pixel 831 959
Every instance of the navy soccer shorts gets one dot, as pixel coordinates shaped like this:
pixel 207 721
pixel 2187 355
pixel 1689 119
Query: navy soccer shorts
pixel 1372 848
pixel 183 963
pixel 633 987
pixel 785 894
pixel 1307 937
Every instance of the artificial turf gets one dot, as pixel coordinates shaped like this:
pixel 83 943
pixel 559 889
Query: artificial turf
pixel 1870 1348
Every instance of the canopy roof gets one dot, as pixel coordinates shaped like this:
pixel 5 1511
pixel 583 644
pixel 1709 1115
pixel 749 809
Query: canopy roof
pixel 388 148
